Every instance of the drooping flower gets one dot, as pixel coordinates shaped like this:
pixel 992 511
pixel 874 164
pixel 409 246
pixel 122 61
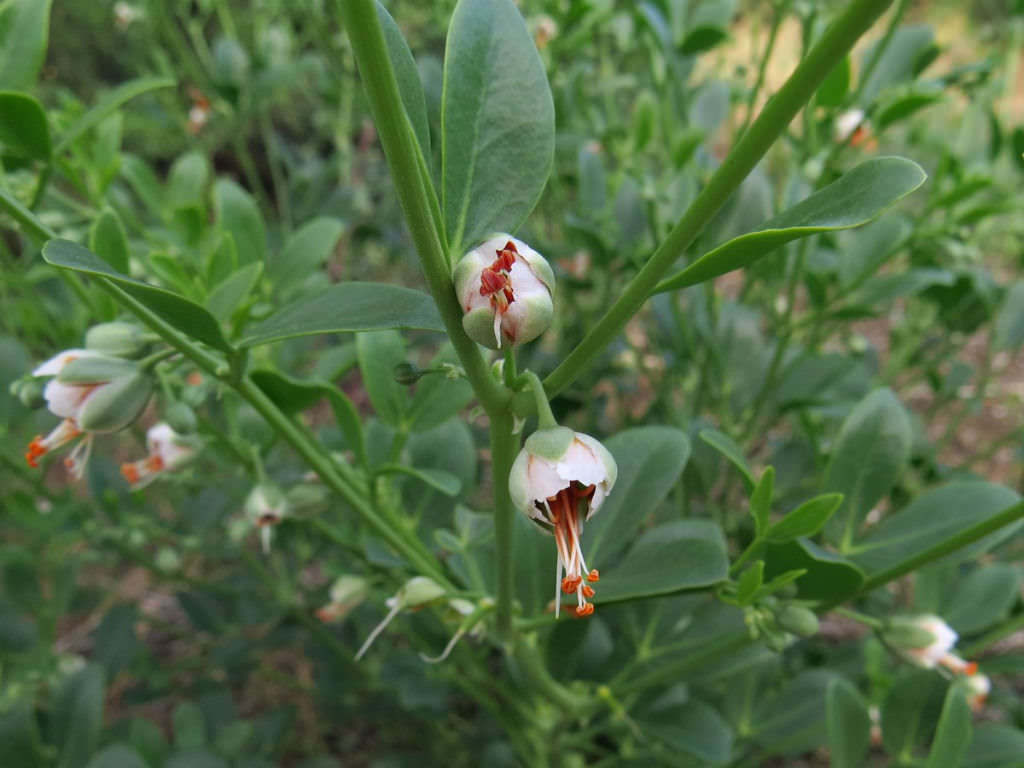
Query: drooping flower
pixel 265 507
pixel 852 126
pixel 416 592
pixel 928 641
pixel 167 451
pixel 505 288
pixel 559 479
pixel 977 687
pixel 92 394
pixel 346 593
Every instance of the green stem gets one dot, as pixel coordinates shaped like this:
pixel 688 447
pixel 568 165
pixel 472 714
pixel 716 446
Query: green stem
pixel 545 418
pixel 753 547
pixel 504 445
pixel 677 670
pixel 962 539
pixel 777 114
pixel 406 163
pixel 863 618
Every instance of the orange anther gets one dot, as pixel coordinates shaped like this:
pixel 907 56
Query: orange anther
pixel 35 450
pixel 194 379
pixel 594 575
pixel 584 610
pixel 130 473
pixel 154 464
pixel 971 668
pixel 588 591
pixel 570 584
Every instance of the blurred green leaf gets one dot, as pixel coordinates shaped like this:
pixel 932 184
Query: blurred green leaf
pixel 225 299
pixel 117 756
pixel 304 252
pixel 1009 330
pixel 897 63
pixel 107 239
pixel 24 130
pixel 692 727
pixel 854 199
pixel 107 105
pixel 348 307
pixel 77 714
pixel 24 27
pixel 848 724
pixel 995 745
pixel 982 598
pixel 408 77
pixel 953 733
pixel 497 122
pixel 187 316
pixel 438 479
pixel 805 520
pixel 726 446
pixel 835 86
pixel 792 720
pixel 650 460
pixel 379 352
pixel 911 710
pixel 238 214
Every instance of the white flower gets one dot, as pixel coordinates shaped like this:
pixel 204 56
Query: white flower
pixel 416 592
pixel 938 650
pixel 265 506
pixel 346 593
pixel 559 479
pixel 167 451
pixel 846 123
pixel 977 687
pixel 504 287
pixel 106 395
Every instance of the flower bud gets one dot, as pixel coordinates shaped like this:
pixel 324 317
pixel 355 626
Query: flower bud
pixel 116 404
pixel 505 289
pixel 406 373
pixel 977 688
pixel 181 418
pixel 559 479
pixel 167 451
pixel 927 641
pixel 797 620
pixel 265 507
pixel 418 591
pixel 117 339
pixel 346 593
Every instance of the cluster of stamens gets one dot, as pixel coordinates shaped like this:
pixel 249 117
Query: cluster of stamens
pixel 143 469
pixel 563 512
pixel 64 433
pixel 495 280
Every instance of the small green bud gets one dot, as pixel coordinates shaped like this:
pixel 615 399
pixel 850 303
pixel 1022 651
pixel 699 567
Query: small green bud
pixel 29 391
pixel 117 339
pixel 905 633
pixel 798 620
pixel 116 404
pixel 406 373
pixel 181 418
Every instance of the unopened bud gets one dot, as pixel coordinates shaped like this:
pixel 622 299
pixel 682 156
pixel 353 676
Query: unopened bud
pixel 116 404
pixel 181 418
pixel 908 634
pixel 117 339
pixel 406 373
pixel 797 620
pixel 419 590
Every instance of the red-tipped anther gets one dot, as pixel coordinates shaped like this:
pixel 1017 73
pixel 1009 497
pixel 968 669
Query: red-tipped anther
pixel 35 450
pixel 130 473
pixel 155 464
pixel 194 379
pixel 491 281
pixel 584 610
pixel 588 591
pixel 594 575
pixel 570 584
pixel 971 668
pixel 581 492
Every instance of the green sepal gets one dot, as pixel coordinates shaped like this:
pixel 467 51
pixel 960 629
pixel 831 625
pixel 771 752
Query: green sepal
pixel 96 370
pixel 551 444
pixel 115 405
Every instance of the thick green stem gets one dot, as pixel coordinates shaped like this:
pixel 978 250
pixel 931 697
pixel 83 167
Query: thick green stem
pixel 406 163
pixel 748 151
pixel 504 445
pixel 545 418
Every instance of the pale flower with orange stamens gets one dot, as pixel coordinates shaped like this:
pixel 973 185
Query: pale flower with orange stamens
pixel 167 451
pixel 559 479
pixel 977 687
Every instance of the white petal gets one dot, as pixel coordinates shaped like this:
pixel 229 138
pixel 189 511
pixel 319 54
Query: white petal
pixel 580 464
pixel 55 364
pixel 65 400
pixel 543 480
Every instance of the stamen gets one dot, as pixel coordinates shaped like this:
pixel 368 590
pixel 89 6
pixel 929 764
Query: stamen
pixel 971 668
pixel 130 472
pixel 36 449
pixel 594 575
pixel 588 591
pixel 584 610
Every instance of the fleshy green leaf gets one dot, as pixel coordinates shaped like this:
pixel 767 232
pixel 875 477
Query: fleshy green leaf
pixel 497 122
pixel 834 87
pixel 346 308
pixel 650 460
pixel 687 554
pixel 848 724
pixel 726 446
pixel 749 582
pixel 1009 331
pixel 410 88
pixel 108 104
pixel 238 214
pixel 229 295
pixel 870 453
pixel 379 352
pixel 805 520
pixel 953 733
pixel 24 25
pixel 23 127
pixel 187 316
pixel 982 598
pixel 107 239
pixel 692 727
pixel 995 745
pixel 897 62
pixel 827 576
pixel 932 518
pixel 77 712
pixel 793 720
pixel 438 479
pixel 304 252
pixel 761 501
pixel 117 756
pixel 855 198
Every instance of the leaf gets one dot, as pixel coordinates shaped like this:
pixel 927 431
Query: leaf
pixel 292 395
pixel 897 62
pixel 189 726
pixel 885 288
pixel 379 352
pixel 953 733
pixel 995 745
pixel 187 316
pixel 1009 330
pixel 497 122
pixel 23 37
pixel 692 727
pixel 437 398
pixel 108 240
pixel 347 308
pixel 848 724
pixel 828 576
pixel 761 501
pixel 187 180
pixel 117 756
pixel 410 88
pixel 77 712
pixel 982 598
pixel 108 104
pixel 23 127
pixel 304 252
pixel 911 710
pixel 870 453
pixel 932 518
pixel 726 446
pixel 238 214
pixel 686 554
pixel 227 297
pixel 650 460
pixel 855 198
pixel 805 520
pixel 19 736
pixel 750 582
pixel 438 479
pixel 793 720
pixel 903 106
